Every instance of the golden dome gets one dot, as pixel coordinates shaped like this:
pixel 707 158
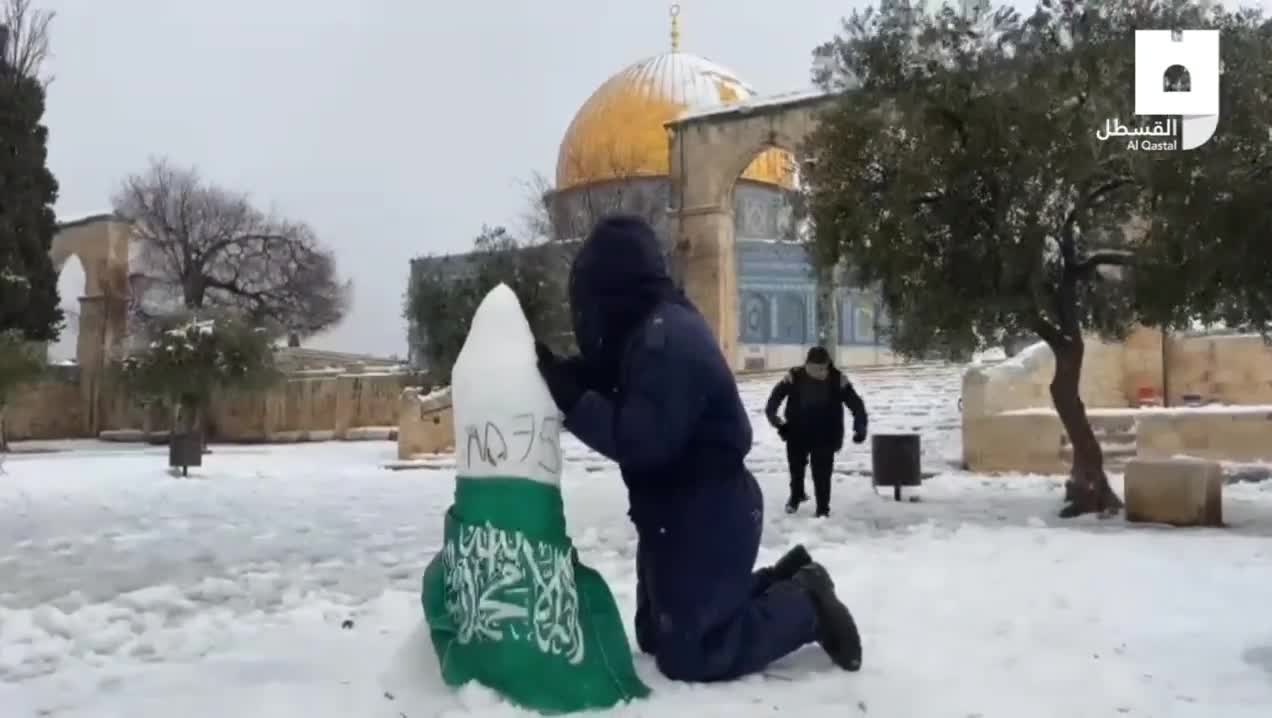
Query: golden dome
pixel 619 132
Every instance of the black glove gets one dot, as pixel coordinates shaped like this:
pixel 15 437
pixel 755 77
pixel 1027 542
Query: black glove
pixel 784 431
pixel 858 435
pixel 561 377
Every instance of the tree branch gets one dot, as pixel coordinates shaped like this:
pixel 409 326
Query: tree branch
pixel 1046 332
pixel 1104 257
pixel 28 42
pixel 1094 198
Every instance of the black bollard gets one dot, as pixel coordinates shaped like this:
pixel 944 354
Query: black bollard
pixel 894 461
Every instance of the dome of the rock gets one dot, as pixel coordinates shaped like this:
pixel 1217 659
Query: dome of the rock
pixel 619 131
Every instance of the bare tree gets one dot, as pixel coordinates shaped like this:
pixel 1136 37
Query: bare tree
pixel 203 247
pixel 24 38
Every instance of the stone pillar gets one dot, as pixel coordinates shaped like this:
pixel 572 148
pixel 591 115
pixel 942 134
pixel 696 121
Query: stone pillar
pixel 90 354
pixel 711 272
pixel 348 395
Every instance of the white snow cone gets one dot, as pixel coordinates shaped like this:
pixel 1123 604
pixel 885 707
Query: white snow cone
pixel 507 602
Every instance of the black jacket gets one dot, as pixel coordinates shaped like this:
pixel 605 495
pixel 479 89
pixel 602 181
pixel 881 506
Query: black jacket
pixel 814 408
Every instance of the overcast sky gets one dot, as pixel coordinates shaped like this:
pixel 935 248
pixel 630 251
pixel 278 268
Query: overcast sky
pixel 395 127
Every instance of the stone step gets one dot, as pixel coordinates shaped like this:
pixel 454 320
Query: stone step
pixel 1106 439
pixel 1109 450
pixel 1116 456
pixel 1113 424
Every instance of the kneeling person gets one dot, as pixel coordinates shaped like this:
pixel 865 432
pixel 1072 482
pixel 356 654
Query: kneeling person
pixel 652 391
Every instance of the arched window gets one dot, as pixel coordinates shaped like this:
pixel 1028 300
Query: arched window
pixel 792 319
pixel 755 323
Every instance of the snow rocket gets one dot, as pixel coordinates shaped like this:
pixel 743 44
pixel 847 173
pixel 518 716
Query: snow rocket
pixel 507 602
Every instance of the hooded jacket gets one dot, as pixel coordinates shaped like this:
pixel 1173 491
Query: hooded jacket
pixel 668 410
pixel 814 409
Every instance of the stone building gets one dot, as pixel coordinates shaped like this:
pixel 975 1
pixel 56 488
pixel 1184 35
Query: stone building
pixel 615 156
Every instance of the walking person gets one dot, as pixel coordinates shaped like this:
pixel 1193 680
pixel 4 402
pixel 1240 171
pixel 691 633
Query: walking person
pixel 812 424
pixel 652 391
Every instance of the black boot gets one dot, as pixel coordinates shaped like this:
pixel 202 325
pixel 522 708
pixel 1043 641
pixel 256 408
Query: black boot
pixel 792 504
pixel 822 513
pixel 784 569
pixel 836 631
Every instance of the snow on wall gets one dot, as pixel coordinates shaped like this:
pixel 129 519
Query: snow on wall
pixel 1024 381
pixel 1220 369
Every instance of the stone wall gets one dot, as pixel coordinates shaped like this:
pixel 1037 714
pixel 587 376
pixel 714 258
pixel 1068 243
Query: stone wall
pixel 1239 433
pixel 1008 423
pixel 1225 369
pixel 1221 369
pixel 310 405
pixel 48 409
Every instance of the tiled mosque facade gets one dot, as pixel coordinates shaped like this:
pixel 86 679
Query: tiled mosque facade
pixel 615 155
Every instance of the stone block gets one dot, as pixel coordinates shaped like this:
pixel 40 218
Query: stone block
pixel 1232 434
pixel 426 424
pixel 1028 442
pixel 1175 491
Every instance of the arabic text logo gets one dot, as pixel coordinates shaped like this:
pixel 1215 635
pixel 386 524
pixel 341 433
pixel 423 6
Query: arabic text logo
pixel 1193 57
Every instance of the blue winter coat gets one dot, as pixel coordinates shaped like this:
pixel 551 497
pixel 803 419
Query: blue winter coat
pixel 662 402
pixel 667 410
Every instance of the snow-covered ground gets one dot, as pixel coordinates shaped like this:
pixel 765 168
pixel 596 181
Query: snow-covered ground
pixel 126 592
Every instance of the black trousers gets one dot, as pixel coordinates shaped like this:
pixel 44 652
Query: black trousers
pixel 798 457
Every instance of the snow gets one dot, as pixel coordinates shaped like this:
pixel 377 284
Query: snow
pixel 1026 362
pixel 77 217
pixel 753 103
pixel 506 422
pixel 1226 409
pixel 125 592
pixel 433 395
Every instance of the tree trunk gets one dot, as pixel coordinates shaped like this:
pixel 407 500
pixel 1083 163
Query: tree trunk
pixel 1087 490
pixel 4 435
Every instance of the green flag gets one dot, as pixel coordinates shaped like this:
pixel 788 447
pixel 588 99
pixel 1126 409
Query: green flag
pixel 507 601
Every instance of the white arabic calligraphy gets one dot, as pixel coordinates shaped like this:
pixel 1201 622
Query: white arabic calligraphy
pixel 501 586
pixel 1114 128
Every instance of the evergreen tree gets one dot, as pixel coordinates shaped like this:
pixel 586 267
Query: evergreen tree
pixel 28 284
pixel 441 300
pixel 962 171
pixel 190 360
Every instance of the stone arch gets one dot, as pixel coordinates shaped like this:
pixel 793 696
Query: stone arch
pixel 709 151
pixel 71 282
pixel 100 244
